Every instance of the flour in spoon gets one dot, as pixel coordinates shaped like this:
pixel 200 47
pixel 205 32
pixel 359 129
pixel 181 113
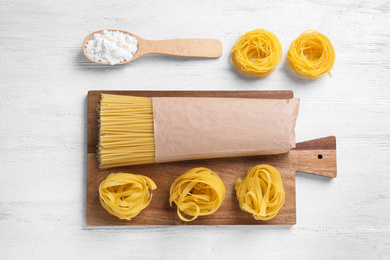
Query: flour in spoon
pixel 111 47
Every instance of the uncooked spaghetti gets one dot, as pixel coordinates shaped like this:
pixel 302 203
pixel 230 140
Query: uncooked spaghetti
pixel 198 192
pixel 125 195
pixel 311 55
pixel 257 53
pixel 261 192
pixel 126 131
pixel 140 130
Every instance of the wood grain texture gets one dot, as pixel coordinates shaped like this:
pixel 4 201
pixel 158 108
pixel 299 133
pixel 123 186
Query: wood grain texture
pixel 44 78
pixel 229 169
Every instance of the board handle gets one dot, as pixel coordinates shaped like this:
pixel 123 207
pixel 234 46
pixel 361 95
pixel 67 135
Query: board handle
pixel 316 156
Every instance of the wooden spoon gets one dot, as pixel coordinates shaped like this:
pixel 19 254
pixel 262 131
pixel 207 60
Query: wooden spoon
pixel 207 48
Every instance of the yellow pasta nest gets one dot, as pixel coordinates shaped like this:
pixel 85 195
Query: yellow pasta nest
pixel 198 192
pixel 257 53
pixel 125 195
pixel 261 192
pixel 311 55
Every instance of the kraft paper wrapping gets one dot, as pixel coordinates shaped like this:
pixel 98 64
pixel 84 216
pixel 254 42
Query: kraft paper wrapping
pixel 199 128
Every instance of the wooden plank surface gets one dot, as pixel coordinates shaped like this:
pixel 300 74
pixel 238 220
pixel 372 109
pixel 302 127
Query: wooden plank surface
pixel 44 78
pixel 159 211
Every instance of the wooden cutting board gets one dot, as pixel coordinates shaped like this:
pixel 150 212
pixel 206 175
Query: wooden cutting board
pixel 315 156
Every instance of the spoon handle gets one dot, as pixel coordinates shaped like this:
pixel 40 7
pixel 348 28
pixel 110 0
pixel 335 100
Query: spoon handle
pixel 208 48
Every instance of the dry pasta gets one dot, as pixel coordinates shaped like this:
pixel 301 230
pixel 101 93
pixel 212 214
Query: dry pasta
pixel 126 134
pixel 125 195
pixel 261 192
pixel 198 192
pixel 257 53
pixel 311 55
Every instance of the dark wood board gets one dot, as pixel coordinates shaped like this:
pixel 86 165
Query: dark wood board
pixel 315 156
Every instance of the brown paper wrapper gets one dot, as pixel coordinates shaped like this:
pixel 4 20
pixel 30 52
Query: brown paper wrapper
pixel 199 128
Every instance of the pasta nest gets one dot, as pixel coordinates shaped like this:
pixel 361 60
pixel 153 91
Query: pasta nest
pixel 198 192
pixel 125 195
pixel 257 53
pixel 311 55
pixel 261 192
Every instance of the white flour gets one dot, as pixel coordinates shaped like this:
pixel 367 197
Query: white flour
pixel 111 47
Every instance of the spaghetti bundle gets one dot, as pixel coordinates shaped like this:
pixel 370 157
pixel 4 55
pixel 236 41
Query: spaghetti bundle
pixel 261 192
pixel 198 192
pixel 125 195
pixel 126 131
pixel 311 55
pixel 257 53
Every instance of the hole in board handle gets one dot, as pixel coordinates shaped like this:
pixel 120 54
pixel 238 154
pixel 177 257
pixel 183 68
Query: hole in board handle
pixel 320 156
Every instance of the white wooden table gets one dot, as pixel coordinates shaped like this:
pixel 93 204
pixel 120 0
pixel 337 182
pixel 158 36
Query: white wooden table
pixel 44 80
